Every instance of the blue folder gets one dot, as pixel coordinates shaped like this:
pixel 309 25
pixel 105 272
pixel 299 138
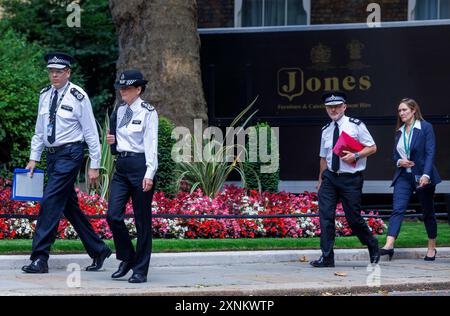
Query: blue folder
pixel 26 188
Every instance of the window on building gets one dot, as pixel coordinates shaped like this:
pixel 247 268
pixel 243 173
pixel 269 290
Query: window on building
pixel 429 9
pixel 271 12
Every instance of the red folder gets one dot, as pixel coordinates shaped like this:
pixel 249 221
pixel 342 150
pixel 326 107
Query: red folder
pixel 346 142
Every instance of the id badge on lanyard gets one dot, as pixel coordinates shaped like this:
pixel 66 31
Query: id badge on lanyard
pixel 50 129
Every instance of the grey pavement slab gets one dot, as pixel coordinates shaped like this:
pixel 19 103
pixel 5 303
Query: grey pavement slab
pixel 15 262
pixel 235 273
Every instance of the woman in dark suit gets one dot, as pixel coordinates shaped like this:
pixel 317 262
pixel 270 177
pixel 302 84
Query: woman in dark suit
pixel 414 152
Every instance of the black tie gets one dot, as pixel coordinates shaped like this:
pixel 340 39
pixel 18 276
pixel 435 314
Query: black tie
pixel 335 160
pixel 52 119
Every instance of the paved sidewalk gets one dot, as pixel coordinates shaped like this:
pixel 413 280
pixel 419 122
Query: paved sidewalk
pixel 236 273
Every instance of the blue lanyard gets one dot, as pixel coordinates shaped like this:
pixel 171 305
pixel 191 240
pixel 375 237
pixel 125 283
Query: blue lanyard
pixel 407 144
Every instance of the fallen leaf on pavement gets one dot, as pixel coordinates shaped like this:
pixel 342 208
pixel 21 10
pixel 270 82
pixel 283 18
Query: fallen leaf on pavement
pixel 303 259
pixel 342 274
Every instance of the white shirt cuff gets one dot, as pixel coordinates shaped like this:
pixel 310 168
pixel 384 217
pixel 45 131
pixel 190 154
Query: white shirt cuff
pixel 35 156
pixel 95 164
pixel 149 174
pixel 425 175
pixel 398 163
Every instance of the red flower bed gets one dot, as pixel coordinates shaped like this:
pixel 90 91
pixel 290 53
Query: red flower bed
pixel 232 201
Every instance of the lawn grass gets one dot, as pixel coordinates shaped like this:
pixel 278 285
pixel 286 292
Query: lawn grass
pixel 412 235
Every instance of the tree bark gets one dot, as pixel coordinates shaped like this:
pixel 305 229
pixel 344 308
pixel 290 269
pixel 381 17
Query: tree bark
pixel 160 38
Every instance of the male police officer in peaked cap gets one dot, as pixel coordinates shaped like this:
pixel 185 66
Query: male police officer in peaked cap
pixel 65 121
pixel 134 132
pixel 341 178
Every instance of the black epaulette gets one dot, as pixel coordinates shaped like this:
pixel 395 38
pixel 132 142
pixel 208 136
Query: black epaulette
pixel 77 94
pixel 355 121
pixel 147 106
pixel 326 126
pixel 45 89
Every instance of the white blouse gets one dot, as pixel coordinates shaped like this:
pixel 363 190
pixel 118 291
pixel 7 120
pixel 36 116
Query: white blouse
pixel 401 145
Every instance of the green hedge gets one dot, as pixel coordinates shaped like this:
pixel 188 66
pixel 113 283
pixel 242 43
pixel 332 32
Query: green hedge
pixel 22 76
pixel 166 166
pixel 94 45
pixel 269 181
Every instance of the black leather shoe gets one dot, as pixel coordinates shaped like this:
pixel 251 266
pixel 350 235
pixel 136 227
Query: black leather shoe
pixel 37 266
pixel 124 267
pixel 137 278
pixel 97 263
pixel 389 252
pixel 323 262
pixel 426 258
pixel 374 253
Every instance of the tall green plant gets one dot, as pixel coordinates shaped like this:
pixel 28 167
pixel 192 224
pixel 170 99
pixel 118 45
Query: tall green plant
pixel 106 166
pixel 210 175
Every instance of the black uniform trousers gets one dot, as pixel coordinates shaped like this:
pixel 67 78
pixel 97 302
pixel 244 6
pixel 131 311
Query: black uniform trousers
pixel 126 183
pixel 348 189
pixel 60 198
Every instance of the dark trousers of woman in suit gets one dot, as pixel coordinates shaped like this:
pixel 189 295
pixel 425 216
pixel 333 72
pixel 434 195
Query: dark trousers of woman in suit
pixel 403 190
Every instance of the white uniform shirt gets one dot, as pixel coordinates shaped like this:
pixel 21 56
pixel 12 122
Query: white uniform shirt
pixel 141 134
pixel 353 127
pixel 74 122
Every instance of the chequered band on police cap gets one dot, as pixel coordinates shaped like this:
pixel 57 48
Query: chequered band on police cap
pixel 127 82
pixel 56 60
pixel 334 98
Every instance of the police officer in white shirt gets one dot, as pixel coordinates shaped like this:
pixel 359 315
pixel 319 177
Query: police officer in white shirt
pixel 134 133
pixel 341 178
pixel 65 121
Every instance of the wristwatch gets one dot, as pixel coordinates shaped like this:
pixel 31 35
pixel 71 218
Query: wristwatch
pixel 356 157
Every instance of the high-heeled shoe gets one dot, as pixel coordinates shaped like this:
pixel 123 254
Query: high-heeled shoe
pixel 389 252
pixel 426 258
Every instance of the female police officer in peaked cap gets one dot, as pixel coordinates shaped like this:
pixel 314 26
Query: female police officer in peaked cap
pixel 134 133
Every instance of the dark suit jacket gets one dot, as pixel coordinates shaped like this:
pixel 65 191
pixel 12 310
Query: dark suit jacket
pixel 423 150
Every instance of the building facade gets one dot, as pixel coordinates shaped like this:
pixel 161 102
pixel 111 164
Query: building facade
pixel 242 13
pixel 289 52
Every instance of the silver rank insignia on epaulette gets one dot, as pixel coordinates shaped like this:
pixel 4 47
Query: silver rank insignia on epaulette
pixel 326 126
pixel 45 89
pixel 354 120
pixel 147 106
pixel 77 94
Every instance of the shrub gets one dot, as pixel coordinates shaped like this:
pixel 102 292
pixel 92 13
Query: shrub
pixel 269 181
pixel 22 76
pixel 166 181
pixel 94 44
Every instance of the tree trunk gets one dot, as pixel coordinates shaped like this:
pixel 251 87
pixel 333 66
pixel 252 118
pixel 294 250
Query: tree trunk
pixel 159 38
